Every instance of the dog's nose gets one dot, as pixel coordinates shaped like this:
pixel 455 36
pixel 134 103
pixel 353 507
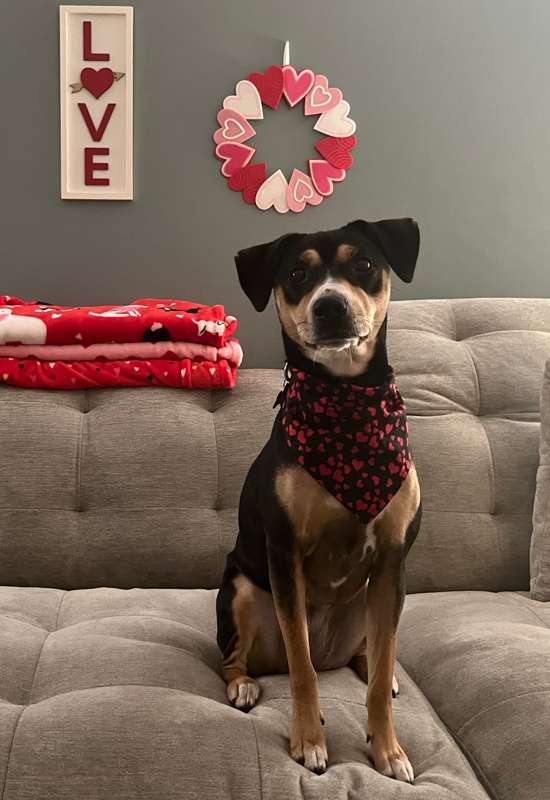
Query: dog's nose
pixel 330 307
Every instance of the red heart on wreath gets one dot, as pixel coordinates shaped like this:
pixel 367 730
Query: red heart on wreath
pixel 336 151
pixel 324 175
pixel 248 180
pixel 234 155
pixel 97 81
pixel 269 84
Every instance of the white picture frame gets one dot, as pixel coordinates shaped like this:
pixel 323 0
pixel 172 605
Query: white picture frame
pixel 84 112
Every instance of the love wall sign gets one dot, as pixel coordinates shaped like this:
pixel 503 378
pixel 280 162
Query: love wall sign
pixel 96 82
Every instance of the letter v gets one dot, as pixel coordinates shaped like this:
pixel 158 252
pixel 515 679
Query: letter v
pixel 96 133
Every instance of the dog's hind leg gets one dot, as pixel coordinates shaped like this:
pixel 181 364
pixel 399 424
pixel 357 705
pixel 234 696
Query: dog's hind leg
pixel 359 662
pixel 236 608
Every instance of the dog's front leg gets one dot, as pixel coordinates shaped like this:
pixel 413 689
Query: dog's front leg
pixel 307 739
pixel 385 596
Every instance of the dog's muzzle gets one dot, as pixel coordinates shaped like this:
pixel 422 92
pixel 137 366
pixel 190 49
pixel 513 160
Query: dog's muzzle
pixel 332 320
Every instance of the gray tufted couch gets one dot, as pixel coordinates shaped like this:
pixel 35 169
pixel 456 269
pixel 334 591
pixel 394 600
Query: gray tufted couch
pixel 113 692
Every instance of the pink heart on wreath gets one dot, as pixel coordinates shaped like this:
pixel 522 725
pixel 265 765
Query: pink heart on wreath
pixel 321 98
pixel 233 127
pixel 234 156
pixel 296 84
pixel 300 192
pixel 324 175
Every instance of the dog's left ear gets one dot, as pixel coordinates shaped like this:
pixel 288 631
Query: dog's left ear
pixel 398 239
pixel 257 267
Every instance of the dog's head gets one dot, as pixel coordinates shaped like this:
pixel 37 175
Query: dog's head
pixel 332 288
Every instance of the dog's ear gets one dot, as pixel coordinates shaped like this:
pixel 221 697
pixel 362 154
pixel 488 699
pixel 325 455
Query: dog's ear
pixel 257 267
pixel 398 239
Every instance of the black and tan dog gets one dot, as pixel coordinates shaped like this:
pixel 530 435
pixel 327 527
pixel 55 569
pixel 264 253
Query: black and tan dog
pixel 311 585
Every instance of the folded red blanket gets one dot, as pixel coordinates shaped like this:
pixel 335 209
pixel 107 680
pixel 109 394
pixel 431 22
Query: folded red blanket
pixel 144 320
pixel 184 373
pixel 231 351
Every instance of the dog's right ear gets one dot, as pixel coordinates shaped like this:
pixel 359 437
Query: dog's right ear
pixel 257 267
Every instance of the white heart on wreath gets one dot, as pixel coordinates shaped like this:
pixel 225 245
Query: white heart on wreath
pixel 336 122
pixel 246 101
pixel 273 192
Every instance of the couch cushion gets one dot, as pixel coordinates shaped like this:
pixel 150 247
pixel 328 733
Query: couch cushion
pixel 471 372
pixel 126 487
pixel 483 661
pixel 540 541
pixel 140 487
pixel 107 693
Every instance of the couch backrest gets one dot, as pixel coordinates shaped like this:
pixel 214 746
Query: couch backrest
pixel 140 487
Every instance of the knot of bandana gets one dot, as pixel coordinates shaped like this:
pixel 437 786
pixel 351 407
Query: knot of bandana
pixel 352 439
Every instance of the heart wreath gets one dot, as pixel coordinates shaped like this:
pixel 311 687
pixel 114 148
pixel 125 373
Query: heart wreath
pixel 268 88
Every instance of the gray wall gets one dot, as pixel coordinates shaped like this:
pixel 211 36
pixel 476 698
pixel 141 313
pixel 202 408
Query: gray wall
pixel 452 102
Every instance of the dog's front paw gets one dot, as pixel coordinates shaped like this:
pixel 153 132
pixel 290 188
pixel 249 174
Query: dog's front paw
pixel 243 692
pixel 308 746
pixel 390 759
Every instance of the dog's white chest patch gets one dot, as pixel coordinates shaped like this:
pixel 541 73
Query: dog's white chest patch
pixel 370 542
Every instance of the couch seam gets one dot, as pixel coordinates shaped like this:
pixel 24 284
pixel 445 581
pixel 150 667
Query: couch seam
pixel 478 772
pixel 57 616
pixel 235 508
pixel 538 537
pixel 456 511
pixel 180 650
pixel 20 717
pixel 500 703
pixel 493 476
pixel 139 616
pixel 431 332
pixel 478 387
pixel 124 685
pixel 78 476
pixel 217 500
pixel 260 773
pixel 519 604
pixel 479 419
pixel 23 622
pixel 486 783
pixel 8 759
pixel 453 317
pixel 111 509
pixel 48 634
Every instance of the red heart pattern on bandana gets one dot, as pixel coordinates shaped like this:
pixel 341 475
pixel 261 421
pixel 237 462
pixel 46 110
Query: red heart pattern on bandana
pixel 352 439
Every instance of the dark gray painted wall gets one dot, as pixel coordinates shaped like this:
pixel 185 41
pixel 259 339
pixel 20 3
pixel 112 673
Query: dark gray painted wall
pixel 452 101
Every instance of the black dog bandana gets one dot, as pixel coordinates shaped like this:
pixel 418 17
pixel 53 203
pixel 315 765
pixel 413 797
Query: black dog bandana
pixel 352 439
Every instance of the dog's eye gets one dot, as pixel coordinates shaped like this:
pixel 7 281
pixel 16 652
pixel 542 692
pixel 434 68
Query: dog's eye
pixel 298 275
pixel 363 265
